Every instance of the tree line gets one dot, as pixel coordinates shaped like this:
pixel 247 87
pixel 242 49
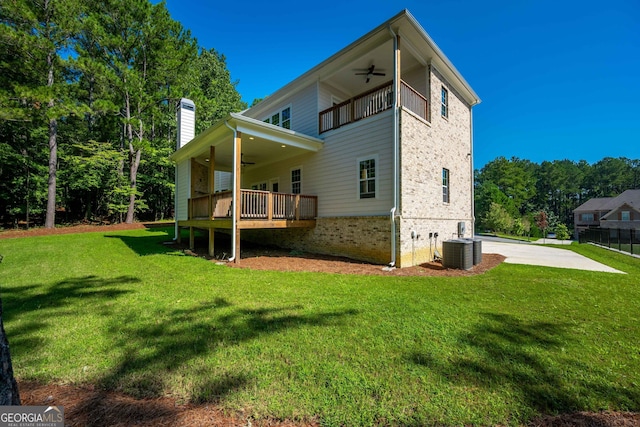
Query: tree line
pixel 510 194
pixel 88 95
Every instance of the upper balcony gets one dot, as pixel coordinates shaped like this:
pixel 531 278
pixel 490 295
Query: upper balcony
pixel 370 103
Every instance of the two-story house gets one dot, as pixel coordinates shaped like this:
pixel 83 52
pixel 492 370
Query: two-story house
pixel 620 212
pixel 368 155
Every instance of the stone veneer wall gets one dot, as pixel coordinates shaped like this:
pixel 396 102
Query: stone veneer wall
pixel 361 238
pixel 425 149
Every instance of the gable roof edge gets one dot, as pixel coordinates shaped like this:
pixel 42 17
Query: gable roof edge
pixel 312 74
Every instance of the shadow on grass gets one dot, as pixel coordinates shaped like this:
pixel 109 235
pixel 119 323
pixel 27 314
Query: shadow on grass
pixel 527 360
pixel 50 302
pixel 65 293
pixel 154 350
pixel 176 351
pixel 155 244
pixel 158 244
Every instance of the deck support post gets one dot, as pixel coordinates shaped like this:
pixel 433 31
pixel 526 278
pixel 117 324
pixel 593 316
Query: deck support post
pixel 192 238
pixel 212 179
pixel 237 204
pixel 211 242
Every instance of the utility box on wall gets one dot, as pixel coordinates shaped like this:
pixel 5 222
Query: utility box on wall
pixel 462 228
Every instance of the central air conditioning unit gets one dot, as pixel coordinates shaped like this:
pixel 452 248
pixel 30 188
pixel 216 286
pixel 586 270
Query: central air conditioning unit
pixel 457 254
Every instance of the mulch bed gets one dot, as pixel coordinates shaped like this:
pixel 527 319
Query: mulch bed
pixel 78 228
pixel 276 259
pixel 87 405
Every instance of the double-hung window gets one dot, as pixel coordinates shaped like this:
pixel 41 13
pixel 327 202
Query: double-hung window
pixel 296 181
pixel 367 178
pixel 281 118
pixel 444 103
pixel 445 185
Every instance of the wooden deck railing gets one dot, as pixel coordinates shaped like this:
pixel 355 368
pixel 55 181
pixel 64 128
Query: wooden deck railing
pixel 370 103
pixel 255 205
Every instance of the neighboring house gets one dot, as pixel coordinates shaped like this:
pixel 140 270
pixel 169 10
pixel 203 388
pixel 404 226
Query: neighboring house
pixel 621 212
pixel 588 214
pixel 367 155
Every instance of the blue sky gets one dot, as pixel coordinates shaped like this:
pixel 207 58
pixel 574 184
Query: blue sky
pixel 558 79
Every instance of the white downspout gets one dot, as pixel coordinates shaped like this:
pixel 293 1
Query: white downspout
pixel 175 203
pixel 392 212
pixel 473 211
pixel 234 195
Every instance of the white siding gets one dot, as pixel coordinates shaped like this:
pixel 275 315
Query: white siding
pixel 304 110
pixel 327 94
pixel 182 189
pixel 332 173
pixel 222 181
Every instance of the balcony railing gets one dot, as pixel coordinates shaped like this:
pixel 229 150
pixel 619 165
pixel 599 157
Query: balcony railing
pixel 364 105
pixel 255 205
pixel 412 100
pixel 371 103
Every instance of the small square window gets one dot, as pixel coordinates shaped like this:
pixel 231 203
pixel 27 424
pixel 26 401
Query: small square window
pixel 625 216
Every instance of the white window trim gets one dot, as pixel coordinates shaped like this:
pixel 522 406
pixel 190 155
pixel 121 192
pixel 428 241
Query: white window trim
pixel 361 159
pixel 301 179
pixel 279 111
pixel 448 185
pixel 445 104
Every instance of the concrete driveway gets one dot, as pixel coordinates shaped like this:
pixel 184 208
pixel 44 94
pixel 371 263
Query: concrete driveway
pixel 517 253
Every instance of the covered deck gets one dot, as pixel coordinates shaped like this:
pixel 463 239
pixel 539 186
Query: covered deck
pixel 258 209
pixel 225 148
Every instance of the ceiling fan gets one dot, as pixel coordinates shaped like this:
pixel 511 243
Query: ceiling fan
pixel 370 73
pixel 243 163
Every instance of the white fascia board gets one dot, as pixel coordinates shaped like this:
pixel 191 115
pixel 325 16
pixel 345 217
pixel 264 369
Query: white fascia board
pixel 219 133
pixel 275 133
pixel 335 62
pixel 214 135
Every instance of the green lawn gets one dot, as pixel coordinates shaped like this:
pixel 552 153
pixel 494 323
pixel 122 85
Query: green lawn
pixel 123 311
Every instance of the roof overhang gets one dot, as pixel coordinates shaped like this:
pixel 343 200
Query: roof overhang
pixel 261 142
pixel 414 40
